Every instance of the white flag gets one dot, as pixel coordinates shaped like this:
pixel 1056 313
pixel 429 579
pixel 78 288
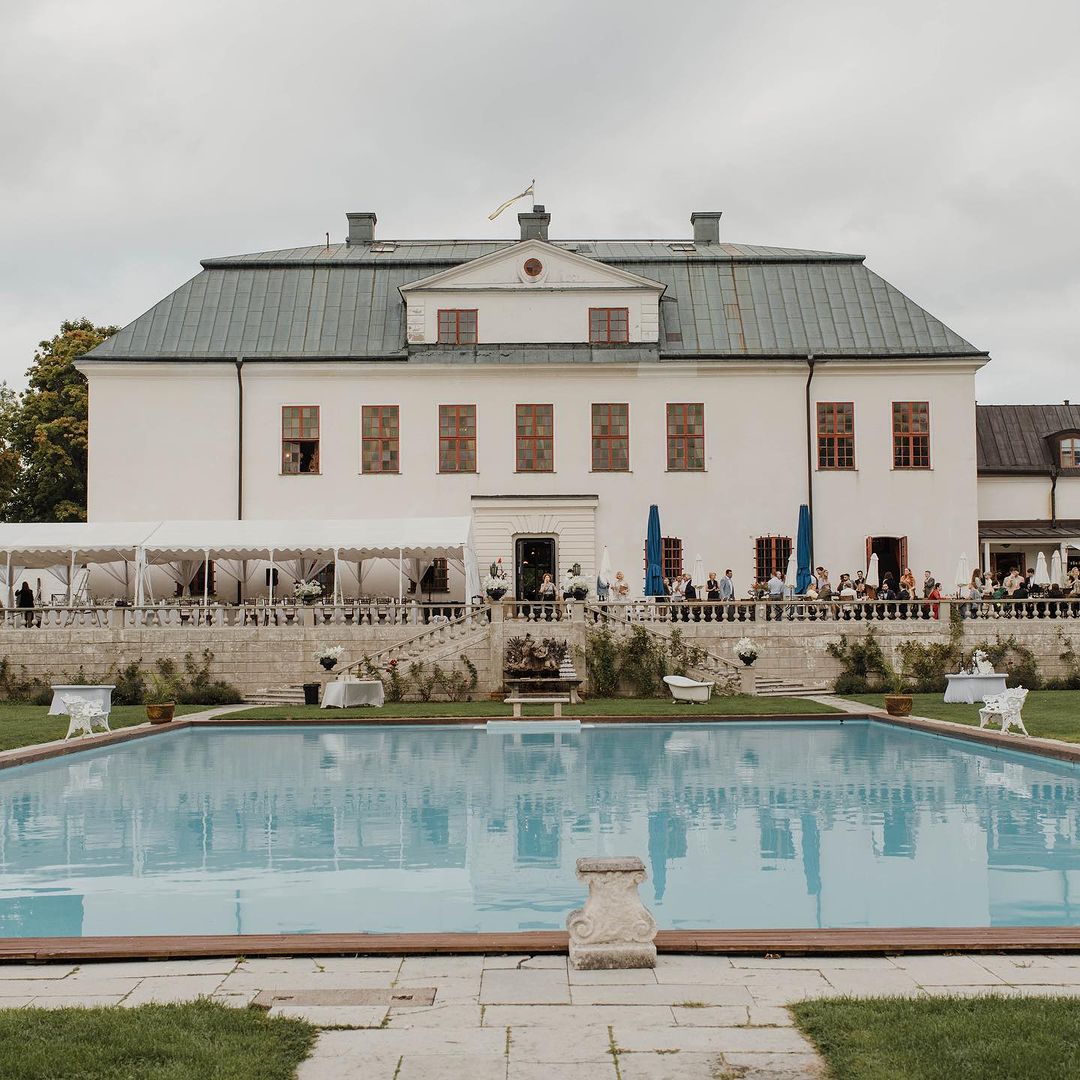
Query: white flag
pixel 509 202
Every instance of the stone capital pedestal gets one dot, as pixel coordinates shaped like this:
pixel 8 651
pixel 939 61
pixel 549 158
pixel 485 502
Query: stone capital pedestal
pixel 613 929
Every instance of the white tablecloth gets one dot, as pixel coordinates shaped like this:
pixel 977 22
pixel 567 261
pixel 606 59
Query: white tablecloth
pixel 344 693
pixel 101 696
pixel 972 688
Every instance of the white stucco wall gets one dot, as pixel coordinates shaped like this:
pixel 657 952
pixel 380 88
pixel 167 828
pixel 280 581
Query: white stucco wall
pixel 163 444
pixel 1004 498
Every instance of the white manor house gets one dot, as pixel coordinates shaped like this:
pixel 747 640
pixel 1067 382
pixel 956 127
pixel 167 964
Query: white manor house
pixel 551 390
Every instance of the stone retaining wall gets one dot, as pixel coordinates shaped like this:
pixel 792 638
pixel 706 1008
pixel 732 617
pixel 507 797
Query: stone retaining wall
pixel 253 658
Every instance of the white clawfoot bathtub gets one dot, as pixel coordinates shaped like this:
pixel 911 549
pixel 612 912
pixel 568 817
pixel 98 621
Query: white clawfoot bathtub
pixel 684 689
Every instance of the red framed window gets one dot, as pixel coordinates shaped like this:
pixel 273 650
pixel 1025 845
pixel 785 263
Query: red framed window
pixel 1070 453
pixel 457 326
pixel 671 563
pixel 911 434
pixel 686 437
pixel 611 438
pixel 457 438
pixel 299 439
pixel 609 325
pixel 771 553
pixel 379 441
pixel 836 435
pixel 535 450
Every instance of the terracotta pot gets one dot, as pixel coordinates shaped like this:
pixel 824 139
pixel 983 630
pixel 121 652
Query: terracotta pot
pixel 898 704
pixel 161 713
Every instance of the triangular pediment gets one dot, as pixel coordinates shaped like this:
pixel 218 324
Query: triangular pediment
pixel 515 268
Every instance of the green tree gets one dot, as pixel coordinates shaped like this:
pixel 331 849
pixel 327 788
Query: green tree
pixel 43 431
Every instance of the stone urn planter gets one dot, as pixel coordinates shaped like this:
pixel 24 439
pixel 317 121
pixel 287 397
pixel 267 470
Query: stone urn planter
pixel 580 594
pixel 898 704
pixel 328 663
pixel 496 594
pixel 748 661
pixel 161 712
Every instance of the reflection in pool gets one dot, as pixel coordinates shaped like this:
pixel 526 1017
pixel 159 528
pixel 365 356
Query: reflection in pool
pixel 258 830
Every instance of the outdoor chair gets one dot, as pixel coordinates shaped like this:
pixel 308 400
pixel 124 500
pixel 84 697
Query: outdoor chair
pixel 1005 708
pixel 84 716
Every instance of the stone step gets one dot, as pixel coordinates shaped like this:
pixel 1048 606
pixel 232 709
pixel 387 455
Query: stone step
pixel 283 695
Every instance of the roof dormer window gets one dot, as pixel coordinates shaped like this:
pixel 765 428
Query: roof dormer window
pixel 457 326
pixel 1069 452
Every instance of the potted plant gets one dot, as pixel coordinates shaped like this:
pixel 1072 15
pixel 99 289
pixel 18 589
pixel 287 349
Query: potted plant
pixel 579 586
pixel 307 592
pixel 897 701
pixel 329 656
pixel 496 583
pixel 160 699
pixel 746 651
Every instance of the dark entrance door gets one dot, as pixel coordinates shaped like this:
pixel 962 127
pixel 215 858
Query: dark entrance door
pixel 892 555
pixel 534 557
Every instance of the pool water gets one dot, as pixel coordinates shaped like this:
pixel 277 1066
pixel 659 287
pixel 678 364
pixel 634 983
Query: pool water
pixel 268 829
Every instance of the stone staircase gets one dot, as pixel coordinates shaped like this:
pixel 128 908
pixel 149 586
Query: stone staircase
pixel 773 687
pixel 436 642
pixel 282 695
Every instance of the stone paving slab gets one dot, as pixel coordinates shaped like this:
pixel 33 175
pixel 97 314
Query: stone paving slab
pixel 539 1045
pixel 661 995
pixel 680 1066
pixel 436 1067
pixel 16 972
pixel 547 1070
pixel 540 986
pixel 712 1040
pixel 437 1016
pixel 575 1016
pixel 354 1016
pixel 170 989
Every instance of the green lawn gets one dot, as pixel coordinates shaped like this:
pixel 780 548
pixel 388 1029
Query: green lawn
pixel 197 1041
pixel 983 1038
pixel 25 725
pixel 739 705
pixel 1051 714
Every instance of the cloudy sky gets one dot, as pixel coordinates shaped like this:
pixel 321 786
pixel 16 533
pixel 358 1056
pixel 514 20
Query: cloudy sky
pixel 938 139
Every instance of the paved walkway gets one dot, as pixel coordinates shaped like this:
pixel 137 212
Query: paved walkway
pixel 530 1018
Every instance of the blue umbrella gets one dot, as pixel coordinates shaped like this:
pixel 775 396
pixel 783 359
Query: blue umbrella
pixel 802 548
pixel 654 578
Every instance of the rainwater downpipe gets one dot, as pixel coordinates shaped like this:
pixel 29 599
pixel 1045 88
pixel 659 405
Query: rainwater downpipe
pixel 1053 496
pixel 810 456
pixel 240 463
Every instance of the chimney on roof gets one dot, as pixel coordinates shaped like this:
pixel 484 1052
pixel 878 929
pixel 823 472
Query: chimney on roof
pixel 534 226
pixel 706 225
pixel 361 228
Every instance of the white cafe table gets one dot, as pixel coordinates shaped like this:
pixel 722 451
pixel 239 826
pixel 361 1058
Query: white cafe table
pixel 345 693
pixel 99 696
pixel 971 688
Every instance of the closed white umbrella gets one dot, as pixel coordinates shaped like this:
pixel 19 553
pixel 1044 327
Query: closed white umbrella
pixel 963 573
pixel 1042 576
pixel 790 574
pixel 1056 576
pixel 605 574
pixel 698 576
pixel 872 578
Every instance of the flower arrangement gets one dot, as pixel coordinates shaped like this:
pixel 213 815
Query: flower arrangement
pixel 746 651
pixel 980 663
pixel 307 591
pixel 329 656
pixel 579 586
pixel 496 583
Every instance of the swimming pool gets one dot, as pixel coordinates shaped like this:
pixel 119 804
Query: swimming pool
pixel 222 830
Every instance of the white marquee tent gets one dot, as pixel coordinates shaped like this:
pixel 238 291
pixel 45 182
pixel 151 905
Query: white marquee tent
pixel 303 547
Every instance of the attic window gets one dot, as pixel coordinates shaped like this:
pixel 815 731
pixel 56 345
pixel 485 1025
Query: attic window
pixel 1070 453
pixel 533 267
pixel 682 246
pixel 382 248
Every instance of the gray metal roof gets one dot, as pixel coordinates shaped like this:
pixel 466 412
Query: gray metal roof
pixel 722 301
pixel 1012 438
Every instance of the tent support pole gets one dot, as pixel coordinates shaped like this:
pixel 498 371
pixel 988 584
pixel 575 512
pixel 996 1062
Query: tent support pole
pixel 71 580
pixel 271 577
pixel 337 589
pixel 10 588
pixel 206 578
pixel 400 580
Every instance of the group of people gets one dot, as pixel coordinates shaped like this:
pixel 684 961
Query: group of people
pixel 1017 586
pixel 856 587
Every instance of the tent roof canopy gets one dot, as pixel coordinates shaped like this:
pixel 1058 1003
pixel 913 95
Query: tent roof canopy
pixel 45 544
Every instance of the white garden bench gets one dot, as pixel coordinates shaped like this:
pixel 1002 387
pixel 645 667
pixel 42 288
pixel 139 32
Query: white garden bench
pixel 1005 708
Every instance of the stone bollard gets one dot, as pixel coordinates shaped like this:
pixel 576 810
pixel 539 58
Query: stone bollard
pixel 614 929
